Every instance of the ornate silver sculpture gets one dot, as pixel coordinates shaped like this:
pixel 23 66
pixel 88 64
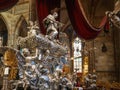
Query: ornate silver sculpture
pixel 114 16
pixel 43 43
pixel 34 70
pixel 114 19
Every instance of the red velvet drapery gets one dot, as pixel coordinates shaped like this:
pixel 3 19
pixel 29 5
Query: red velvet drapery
pixel 79 21
pixel 6 4
pixel 43 9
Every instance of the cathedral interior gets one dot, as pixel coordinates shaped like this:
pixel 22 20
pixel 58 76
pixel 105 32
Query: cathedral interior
pixel 59 44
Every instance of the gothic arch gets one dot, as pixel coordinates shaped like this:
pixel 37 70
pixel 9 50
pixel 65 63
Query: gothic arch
pixel 21 24
pixel 4 30
pixel 3 16
pixel 21 28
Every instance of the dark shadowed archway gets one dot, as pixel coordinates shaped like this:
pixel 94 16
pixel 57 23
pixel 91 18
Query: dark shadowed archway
pixel 23 29
pixel 3 33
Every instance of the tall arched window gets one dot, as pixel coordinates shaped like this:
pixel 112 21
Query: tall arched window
pixel 77 55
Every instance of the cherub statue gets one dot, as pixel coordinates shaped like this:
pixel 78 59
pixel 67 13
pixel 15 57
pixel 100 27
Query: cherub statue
pixel 28 57
pixel 33 28
pixel 51 24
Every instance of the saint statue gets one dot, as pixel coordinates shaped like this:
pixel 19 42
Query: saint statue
pixel 51 24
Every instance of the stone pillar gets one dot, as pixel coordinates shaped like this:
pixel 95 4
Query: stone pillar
pixel 116 35
pixel 32 9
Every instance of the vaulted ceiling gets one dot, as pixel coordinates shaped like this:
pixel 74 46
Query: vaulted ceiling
pixel 95 9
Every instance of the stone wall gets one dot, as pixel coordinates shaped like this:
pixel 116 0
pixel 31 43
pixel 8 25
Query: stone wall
pixel 116 34
pixel 104 60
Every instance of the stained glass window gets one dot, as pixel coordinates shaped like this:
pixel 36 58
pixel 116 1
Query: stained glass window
pixel 77 55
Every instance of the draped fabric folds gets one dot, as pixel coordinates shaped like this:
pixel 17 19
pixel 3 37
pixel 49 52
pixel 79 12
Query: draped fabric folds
pixel 79 21
pixel 6 4
pixel 43 9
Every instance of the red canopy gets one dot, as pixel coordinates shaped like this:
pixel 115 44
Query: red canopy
pixel 79 21
pixel 6 4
